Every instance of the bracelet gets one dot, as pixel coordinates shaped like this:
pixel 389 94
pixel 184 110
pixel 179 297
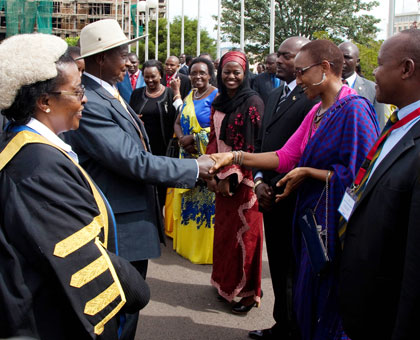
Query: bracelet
pixel 257 183
pixel 178 96
pixel 328 176
pixel 238 157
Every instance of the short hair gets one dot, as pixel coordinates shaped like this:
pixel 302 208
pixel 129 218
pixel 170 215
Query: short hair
pixel 204 54
pixel 188 58
pixel 131 54
pixel 74 51
pixel 153 63
pixel 210 66
pixel 23 107
pixel 412 48
pixel 271 55
pixel 320 50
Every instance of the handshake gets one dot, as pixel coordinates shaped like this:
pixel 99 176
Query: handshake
pixel 209 164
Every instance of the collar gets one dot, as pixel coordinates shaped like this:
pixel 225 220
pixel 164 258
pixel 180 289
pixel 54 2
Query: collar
pixel 291 85
pixel 107 86
pixel 352 79
pixel 45 132
pixel 135 74
pixel 406 110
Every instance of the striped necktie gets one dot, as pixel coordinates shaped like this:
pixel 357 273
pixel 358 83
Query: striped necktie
pixel 283 97
pixel 342 225
pixel 136 125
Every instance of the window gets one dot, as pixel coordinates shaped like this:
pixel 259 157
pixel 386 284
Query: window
pixel 56 22
pixel 56 7
pixel 99 9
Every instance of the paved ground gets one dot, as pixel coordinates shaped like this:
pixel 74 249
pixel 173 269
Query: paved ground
pixel 183 304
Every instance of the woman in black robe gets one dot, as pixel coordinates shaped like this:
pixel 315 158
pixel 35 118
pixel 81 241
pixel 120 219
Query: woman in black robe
pixel 58 278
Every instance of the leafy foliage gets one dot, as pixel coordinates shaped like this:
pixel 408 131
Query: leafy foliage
pixel 369 57
pixel 72 41
pixel 340 19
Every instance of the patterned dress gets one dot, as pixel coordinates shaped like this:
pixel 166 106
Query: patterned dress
pixel 191 211
pixel 238 239
pixel 340 144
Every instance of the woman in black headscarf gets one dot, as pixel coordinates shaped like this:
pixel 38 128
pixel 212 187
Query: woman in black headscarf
pixel 236 118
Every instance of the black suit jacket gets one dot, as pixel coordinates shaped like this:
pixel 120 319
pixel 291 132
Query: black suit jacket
pixel 263 85
pixel 110 149
pixel 184 70
pixel 380 265
pixel 278 127
pixel 185 84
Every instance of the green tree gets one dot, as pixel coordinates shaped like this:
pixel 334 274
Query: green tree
pixel 340 19
pixel 369 57
pixel 72 41
pixel 368 53
pixel 207 44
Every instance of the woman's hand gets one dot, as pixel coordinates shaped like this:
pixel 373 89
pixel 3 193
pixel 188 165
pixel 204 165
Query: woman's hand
pixel 175 85
pixel 188 143
pixel 292 181
pixel 221 159
pixel 223 187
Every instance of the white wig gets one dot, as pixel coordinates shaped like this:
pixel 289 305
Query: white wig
pixel 26 59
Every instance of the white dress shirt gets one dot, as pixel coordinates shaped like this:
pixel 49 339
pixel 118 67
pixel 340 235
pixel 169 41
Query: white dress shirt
pixel 351 80
pixel 45 132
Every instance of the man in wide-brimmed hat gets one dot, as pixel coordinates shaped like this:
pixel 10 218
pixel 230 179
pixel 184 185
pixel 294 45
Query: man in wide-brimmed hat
pixel 113 147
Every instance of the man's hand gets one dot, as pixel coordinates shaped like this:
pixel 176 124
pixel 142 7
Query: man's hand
pixel 223 187
pixel 205 163
pixel 221 159
pixel 265 196
pixel 212 185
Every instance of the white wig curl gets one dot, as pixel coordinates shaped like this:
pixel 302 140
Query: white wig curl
pixel 26 59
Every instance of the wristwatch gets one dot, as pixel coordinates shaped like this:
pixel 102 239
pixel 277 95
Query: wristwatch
pixel 258 182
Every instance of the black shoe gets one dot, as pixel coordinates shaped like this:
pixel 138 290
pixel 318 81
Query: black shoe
pixel 261 334
pixel 240 308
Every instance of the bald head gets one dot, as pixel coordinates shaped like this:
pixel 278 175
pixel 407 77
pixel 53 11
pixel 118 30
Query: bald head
pixel 171 65
pixel 351 58
pixel 397 75
pixel 286 57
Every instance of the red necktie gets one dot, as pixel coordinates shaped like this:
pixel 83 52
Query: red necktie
pixel 133 80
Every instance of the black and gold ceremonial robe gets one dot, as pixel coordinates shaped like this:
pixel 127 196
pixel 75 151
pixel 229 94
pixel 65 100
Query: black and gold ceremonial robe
pixel 58 281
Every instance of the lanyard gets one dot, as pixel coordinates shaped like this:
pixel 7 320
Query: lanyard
pixel 366 163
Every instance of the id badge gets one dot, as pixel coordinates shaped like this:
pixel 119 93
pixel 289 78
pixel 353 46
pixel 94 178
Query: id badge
pixel 347 204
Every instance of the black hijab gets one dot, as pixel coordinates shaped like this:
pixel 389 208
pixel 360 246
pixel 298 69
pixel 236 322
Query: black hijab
pixel 223 102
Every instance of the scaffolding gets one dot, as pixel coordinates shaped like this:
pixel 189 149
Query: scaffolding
pixel 22 15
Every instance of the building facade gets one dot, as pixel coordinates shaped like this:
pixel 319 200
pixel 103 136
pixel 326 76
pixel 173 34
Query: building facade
pixel 405 21
pixel 67 17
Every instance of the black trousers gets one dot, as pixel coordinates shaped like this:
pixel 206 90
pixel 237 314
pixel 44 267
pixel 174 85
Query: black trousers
pixel 130 326
pixel 278 238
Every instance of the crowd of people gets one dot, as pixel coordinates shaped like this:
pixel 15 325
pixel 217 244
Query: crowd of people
pixel 100 158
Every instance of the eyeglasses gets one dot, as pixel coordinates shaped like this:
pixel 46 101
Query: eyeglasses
pixel 79 93
pixel 300 71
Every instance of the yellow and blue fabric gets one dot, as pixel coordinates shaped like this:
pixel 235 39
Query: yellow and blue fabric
pixel 189 213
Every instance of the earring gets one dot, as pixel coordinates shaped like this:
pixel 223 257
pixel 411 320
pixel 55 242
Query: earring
pixel 48 110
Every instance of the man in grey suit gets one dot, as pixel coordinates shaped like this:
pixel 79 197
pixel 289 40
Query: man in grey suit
pixel 363 86
pixel 113 147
